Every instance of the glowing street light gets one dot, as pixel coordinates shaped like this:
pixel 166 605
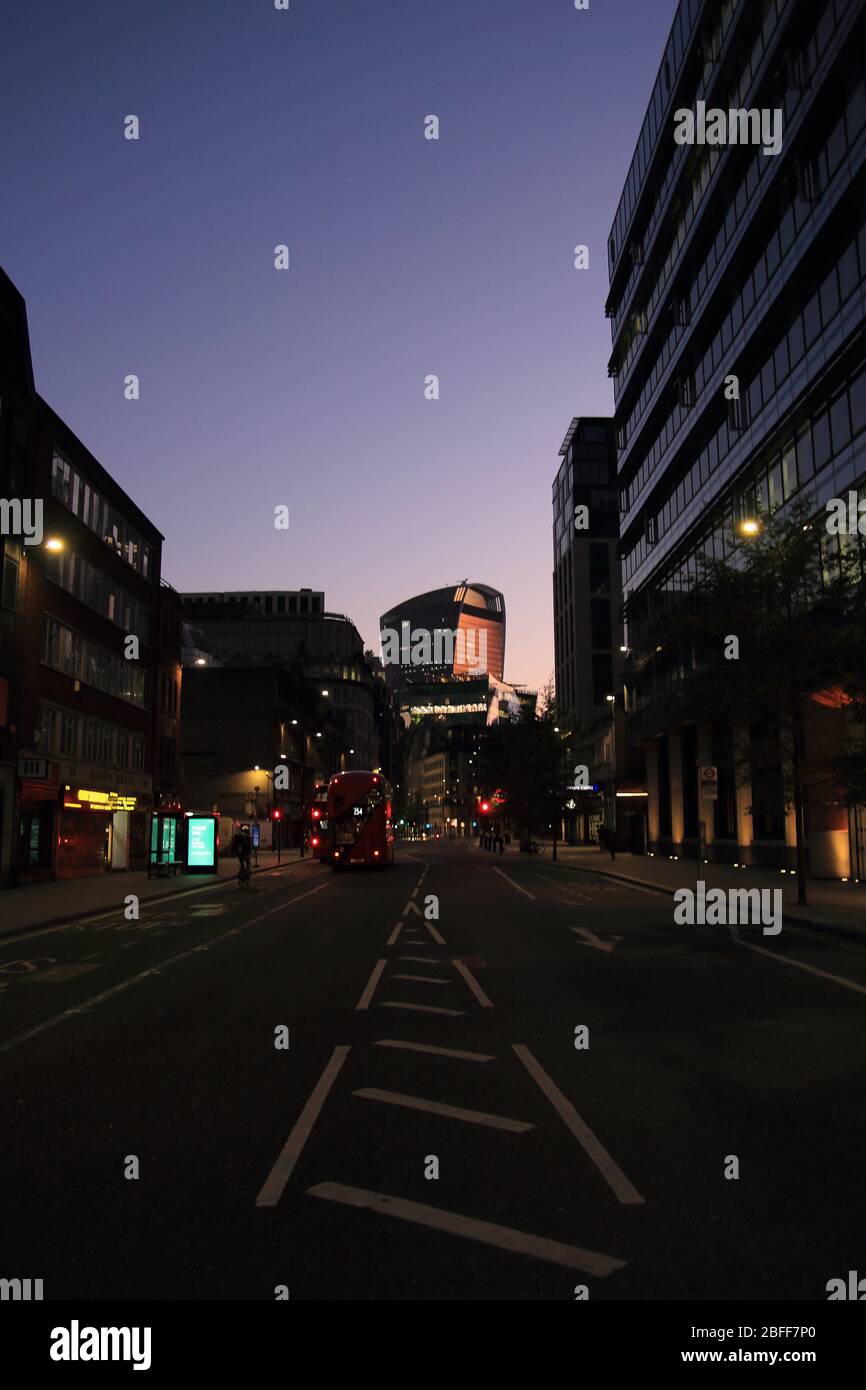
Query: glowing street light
pixel 749 526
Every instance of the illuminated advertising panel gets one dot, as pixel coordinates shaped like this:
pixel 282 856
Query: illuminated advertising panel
pixel 201 844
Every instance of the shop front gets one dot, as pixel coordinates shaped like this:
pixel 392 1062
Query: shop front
pixel 36 813
pixel 99 831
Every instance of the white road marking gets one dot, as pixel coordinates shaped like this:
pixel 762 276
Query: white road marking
pixel 801 965
pixel 279 1175
pixel 161 904
pixel 609 1169
pixel 422 979
pixel 370 987
pixel 590 939
pixel 525 891
pixel 411 907
pixel 422 960
pixel 473 984
pixel 414 892
pixel 639 888
pixel 96 999
pixel 282 906
pixel 395 933
pixel 450 1112
pixel 421 1008
pixel 438 1051
pixel 440 940
pixel 470 1228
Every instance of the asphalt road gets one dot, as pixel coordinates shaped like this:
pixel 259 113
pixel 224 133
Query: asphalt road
pixel 412 1041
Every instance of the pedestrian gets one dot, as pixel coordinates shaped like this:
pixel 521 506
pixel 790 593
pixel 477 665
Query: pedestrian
pixel 601 835
pixel 611 843
pixel 242 846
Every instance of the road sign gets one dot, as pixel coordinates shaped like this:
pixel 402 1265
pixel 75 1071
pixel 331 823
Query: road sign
pixel 709 783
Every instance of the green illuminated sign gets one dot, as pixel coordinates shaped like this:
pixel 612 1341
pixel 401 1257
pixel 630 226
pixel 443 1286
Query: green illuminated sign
pixel 201 842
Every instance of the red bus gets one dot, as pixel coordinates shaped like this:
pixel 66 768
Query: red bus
pixel 320 840
pixel 359 820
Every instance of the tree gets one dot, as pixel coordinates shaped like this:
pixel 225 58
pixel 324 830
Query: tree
pixel 523 757
pixel 766 630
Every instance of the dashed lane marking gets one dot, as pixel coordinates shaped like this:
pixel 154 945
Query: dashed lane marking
pixel 438 1051
pixel 279 1175
pixel 449 1112
pixel 609 1169
pixel 470 1228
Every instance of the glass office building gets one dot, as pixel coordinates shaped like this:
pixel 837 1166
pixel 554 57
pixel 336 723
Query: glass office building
pixel 744 258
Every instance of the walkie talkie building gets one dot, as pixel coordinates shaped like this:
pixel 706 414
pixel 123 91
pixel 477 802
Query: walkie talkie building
pixel 446 633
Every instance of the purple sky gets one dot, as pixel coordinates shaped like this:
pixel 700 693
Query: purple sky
pixel 408 257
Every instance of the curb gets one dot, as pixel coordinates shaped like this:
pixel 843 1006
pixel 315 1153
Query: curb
pixel 68 917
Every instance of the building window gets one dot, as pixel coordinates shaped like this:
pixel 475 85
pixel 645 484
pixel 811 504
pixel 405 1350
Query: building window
pixel 10 583
pixel 69 724
pixel 599 569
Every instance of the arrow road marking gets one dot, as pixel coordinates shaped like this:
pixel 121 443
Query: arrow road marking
pixel 590 939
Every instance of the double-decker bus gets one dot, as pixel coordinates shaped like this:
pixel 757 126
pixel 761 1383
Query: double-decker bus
pixel 359 820
pixel 318 837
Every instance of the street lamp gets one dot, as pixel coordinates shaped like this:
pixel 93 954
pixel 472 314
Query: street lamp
pixel 749 526
pixel 611 700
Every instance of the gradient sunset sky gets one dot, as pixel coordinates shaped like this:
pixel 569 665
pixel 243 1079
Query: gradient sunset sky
pixel 408 257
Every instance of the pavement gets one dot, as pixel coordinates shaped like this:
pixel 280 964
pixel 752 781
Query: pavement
pixel 833 906
pixel 464 1078
pixel 62 900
